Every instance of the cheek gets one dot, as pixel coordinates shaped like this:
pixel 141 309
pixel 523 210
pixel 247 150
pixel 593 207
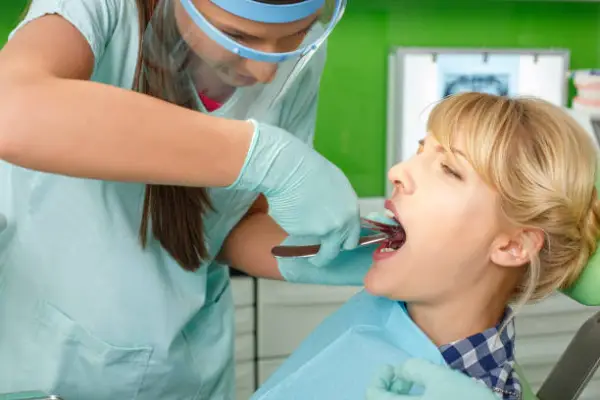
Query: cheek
pixel 448 241
pixel 416 275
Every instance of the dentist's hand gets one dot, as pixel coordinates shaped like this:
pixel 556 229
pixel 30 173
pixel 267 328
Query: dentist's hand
pixel 307 195
pixel 439 383
pixel 348 268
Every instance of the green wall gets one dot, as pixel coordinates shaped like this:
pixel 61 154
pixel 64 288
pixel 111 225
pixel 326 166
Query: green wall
pixel 352 108
pixel 10 11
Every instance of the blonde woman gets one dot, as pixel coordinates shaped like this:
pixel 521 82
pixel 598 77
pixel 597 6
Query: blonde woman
pixel 497 208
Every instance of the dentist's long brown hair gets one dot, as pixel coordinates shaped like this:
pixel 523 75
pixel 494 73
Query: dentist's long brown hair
pixel 174 213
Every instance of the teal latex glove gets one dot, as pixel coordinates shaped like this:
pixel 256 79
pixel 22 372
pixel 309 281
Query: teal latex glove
pixel 307 195
pixel 25 396
pixel 439 383
pixel 348 268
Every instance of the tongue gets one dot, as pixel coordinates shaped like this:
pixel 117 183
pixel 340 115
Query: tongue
pixel 398 239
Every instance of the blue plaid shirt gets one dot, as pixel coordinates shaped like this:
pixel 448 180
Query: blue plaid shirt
pixel 489 358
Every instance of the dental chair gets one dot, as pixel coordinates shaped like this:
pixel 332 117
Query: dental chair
pixel 581 358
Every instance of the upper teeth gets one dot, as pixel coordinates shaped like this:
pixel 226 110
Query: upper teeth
pixel 389 214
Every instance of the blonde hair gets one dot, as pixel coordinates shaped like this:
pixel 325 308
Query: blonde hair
pixel 543 165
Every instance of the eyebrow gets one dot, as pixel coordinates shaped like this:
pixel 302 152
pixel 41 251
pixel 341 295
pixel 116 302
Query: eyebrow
pixel 441 148
pixel 234 31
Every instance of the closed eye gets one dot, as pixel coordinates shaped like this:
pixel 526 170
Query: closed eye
pixel 421 146
pixel 451 172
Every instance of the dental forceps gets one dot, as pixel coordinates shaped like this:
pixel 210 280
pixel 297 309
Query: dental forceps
pixel 384 233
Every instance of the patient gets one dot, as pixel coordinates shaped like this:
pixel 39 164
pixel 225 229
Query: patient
pixel 498 207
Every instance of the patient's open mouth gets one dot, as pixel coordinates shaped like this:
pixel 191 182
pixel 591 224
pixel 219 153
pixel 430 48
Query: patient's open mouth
pixel 397 238
pixel 396 232
pixel 393 230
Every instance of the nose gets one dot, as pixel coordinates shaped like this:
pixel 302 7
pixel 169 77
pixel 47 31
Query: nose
pixel 263 72
pixel 401 178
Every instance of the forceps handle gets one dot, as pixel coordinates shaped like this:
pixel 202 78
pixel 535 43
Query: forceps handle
pixel 313 249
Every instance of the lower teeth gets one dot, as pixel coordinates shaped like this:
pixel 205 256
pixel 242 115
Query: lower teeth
pixel 387 250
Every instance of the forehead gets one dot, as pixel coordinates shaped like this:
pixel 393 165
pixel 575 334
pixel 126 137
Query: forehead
pixel 231 23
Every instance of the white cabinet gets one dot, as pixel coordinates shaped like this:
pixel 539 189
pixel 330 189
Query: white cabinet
pixel 287 313
pixel 244 379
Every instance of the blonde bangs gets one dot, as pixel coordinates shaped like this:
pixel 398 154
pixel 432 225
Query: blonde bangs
pixel 483 126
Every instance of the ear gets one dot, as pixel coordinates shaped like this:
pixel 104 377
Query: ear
pixel 517 249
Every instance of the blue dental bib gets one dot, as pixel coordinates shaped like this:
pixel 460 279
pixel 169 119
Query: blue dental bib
pixel 340 359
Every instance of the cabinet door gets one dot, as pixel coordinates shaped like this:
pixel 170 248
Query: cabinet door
pixel 287 313
pixel 244 380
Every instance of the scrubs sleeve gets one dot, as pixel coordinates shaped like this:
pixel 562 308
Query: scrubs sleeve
pixel 95 19
pixel 300 117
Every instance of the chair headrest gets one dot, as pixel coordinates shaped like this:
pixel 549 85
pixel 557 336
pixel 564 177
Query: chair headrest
pixel 586 290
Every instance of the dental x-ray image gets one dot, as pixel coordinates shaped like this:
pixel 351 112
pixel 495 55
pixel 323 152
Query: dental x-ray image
pixel 485 83
pixel 478 72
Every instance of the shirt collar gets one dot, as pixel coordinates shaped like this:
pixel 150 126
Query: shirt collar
pixel 488 356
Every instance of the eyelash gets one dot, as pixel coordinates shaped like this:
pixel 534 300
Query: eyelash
pixel 450 171
pixel 445 167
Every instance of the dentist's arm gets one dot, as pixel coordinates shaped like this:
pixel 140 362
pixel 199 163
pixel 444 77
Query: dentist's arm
pixel 248 246
pixel 54 120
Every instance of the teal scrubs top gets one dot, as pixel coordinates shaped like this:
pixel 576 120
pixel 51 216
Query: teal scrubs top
pixel 85 312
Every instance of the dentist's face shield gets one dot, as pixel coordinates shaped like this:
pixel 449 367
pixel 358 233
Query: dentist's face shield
pixel 210 47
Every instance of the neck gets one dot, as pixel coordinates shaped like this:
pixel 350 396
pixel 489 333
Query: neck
pixel 464 315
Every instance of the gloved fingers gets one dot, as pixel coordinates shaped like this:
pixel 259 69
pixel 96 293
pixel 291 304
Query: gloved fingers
pixel 353 235
pixel 297 240
pixel 381 217
pixel 384 378
pixel 330 248
pixel 419 371
pixel 400 386
pixel 379 389
pixel 347 269
pixel 387 386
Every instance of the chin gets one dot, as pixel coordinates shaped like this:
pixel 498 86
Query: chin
pixel 376 283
